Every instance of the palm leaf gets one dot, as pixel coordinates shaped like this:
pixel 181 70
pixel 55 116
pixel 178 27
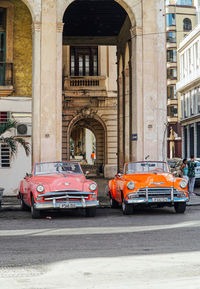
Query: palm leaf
pixel 23 143
pixel 11 143
pixel 6 126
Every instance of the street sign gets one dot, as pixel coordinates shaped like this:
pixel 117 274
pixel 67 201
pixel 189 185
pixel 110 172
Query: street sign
pixel 134 137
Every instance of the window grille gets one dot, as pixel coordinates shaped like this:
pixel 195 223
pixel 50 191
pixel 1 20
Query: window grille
pixel 4 156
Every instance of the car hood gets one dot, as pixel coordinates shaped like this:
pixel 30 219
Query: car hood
pixel 54 182
pixel 152 179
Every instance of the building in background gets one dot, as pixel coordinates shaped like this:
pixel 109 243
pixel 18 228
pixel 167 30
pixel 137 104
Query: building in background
pixel 189 88
pixel 180 20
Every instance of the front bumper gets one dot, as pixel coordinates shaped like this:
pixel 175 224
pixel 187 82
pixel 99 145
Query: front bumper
pixel 156 195
pixel 48 205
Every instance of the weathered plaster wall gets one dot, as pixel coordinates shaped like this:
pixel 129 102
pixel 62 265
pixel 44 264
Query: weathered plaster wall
pixel 22 49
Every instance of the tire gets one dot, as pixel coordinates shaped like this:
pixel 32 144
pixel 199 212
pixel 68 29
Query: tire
pixel 180 207
pixel 35 213
pixel 114 204
pixel 90 212
pixel 127 209
pixel 23 206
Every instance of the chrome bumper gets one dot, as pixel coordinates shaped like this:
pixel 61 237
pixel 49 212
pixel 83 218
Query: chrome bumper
pixel 149 201
pixel 65 205
pixel 156 195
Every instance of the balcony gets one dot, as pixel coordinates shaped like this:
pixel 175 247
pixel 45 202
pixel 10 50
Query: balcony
pixel 6 78
pixel 84 82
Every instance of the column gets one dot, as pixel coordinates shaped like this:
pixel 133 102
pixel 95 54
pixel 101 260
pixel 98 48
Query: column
pixel 127 115
pixel 51 96
pixel 137 118
pixel 36 113
pixel 195 139
pixel 59 92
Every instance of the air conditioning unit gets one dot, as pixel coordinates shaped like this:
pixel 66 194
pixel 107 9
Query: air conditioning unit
pixel 24 129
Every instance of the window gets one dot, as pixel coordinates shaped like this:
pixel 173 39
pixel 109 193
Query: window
pixel 172 111
pixel 171 55
pixel 171 92
pixel 187 24
pixel 171 37
pixel 170 19
pixel 171 73
pixel 4 116
pixel 4 156
pixel 184 2
pixel 83 61
pixel 2 45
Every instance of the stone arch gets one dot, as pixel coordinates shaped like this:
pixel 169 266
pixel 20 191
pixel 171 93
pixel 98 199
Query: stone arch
pixel 94 123
pixel 131 7
pixel 34 8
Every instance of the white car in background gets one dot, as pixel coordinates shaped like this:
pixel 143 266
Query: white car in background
pixel 197 172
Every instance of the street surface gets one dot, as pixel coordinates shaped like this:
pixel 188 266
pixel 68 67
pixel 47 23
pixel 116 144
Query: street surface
pixel 149 249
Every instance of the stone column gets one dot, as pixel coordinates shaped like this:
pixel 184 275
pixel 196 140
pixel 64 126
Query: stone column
pixel 127 115
pixel 51 96
pixel 120 123
pixel 36 112
pixel 137 118
pixel 59 92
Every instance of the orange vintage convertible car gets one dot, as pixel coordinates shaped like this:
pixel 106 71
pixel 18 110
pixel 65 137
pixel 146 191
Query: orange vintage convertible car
pixel 58 185
pixel 147 183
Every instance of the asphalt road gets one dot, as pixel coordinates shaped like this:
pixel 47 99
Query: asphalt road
pixel 150 249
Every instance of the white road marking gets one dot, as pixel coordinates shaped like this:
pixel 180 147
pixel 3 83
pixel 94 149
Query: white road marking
pixel 96 230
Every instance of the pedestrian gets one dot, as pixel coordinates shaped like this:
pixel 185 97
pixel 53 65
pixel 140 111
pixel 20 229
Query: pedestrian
pixel 184 169
pixel 191 174
pixel 93 157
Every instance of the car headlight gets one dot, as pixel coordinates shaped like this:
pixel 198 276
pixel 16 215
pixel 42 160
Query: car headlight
pixel 131 185
pixel 183 184
pixel 93 186
pixel 40 188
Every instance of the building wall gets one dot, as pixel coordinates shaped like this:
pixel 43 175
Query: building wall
pixel 189 89
pixel 181 12
pixel 22 49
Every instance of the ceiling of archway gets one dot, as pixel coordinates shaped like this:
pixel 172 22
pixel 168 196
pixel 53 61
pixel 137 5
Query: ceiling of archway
pixel 93 18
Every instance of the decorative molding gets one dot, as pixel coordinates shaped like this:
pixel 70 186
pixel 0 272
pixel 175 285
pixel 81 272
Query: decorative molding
pixel 87 112
pixel 59 27
pixel 36 27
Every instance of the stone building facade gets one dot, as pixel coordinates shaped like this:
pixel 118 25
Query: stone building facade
pixel 33 65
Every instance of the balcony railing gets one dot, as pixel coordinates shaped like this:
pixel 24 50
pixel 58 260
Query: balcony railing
pixel 6 74
pixel 84 82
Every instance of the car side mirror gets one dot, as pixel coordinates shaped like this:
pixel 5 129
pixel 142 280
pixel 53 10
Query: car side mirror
pixel 118 175
pixel 87 173
pixel 28 175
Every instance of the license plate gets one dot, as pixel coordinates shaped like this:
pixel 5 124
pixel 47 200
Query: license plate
pixel 67 205
pixel 160 200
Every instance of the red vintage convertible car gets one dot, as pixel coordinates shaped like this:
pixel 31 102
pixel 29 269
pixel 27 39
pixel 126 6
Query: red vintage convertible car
pixel 58 185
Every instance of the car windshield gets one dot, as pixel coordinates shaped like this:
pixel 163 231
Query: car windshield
pixel 57 167
pixel 141 167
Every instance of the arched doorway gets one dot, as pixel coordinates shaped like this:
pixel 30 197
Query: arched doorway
pixel 94 35
pixel 86 137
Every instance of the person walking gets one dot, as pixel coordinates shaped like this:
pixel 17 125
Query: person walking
pixel 191 174
pixel 184 169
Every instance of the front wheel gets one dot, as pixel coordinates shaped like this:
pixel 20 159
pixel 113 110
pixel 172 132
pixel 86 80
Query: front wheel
pixel 127 209
pixel 35 213
pixel 90 212
pixel 180 207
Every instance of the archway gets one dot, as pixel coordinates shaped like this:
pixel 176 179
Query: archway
pixel 94 33
pixel 87 136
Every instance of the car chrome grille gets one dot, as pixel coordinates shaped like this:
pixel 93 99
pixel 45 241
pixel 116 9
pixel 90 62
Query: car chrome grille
pixel 66 195
pixel 157 192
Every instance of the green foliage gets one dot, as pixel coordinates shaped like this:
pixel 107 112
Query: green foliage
pixel 12 141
